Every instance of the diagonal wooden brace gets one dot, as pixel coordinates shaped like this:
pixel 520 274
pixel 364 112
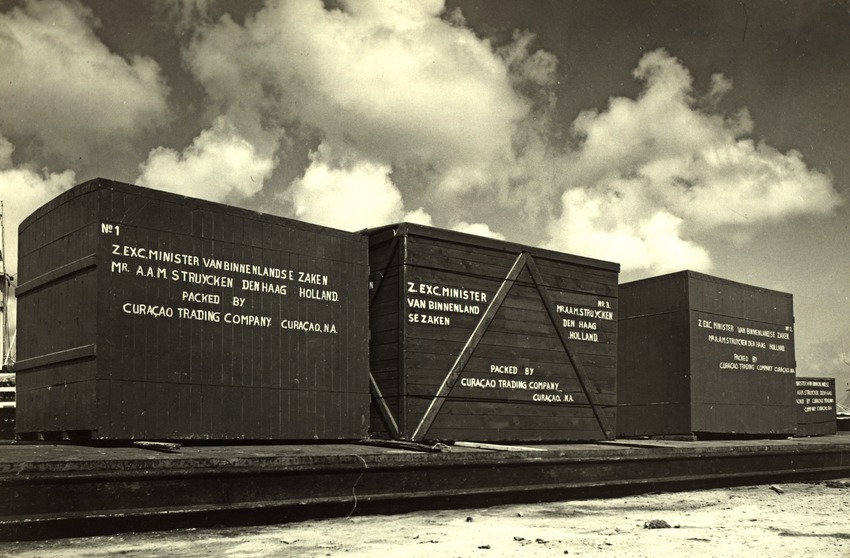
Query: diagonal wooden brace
pixel 468 349
pixel 574 360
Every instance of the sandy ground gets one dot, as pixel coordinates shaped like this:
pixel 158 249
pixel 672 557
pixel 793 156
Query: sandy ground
pixel 784 520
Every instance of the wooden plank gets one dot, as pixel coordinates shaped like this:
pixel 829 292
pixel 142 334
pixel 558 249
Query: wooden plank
pixel 66 355
pixel 56 274
pixel 409 446
pixel 494 447
pixel 476 262
pixel 168 447
pixel 454 237
pixel 403 411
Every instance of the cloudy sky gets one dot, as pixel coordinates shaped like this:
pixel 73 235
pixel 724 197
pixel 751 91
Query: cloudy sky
pixel 663 135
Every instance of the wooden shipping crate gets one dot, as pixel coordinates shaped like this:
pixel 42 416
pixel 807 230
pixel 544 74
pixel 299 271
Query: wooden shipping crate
pixel 816 411
pixel 483 340
pixel 704 355
pixel 148 315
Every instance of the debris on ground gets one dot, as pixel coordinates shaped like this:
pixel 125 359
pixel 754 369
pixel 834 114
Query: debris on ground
pixel 656 524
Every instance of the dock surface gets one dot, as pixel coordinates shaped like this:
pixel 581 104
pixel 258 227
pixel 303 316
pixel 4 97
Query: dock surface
pixel 52 490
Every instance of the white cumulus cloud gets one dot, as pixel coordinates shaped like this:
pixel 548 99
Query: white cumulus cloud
pixel 392 82
pixel 65 89
pixel 479 229
pixel 390 79
pixel 349 194
pixel 23 189
pixel 652 175
pixel 627 231
pixel 220 165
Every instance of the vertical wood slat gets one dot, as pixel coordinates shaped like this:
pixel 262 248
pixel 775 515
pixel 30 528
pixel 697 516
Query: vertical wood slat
pixel 403 405
pixel 574 360
pixel 471 343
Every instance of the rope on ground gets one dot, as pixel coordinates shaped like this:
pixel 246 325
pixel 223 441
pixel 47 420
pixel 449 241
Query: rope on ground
pixel 353 488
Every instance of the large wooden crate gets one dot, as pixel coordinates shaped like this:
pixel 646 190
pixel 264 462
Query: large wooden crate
pixel 816 411
pixel 147 315
pixel 484 340
pixel 704 355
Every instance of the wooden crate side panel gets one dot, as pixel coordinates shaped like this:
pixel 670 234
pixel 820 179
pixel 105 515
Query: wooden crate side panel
pixel 189 411
pixel 142 207
pixel 470 260
pixel 748 419
pixel 57 408
pixel 57 287
pixel 384 327
pixel 66 254
pixel 523 333
pixel 443 308
pixel 56 339
pixel 653 383
pixel 273 331
pixel 384 310
pixel 656 295
pixel 439 312
pixel 558 415
pixel 509 422
pixel 57 317
pixel 559 276
pixel 742 375
pixel 824 428
pixel 727 298
pixel 450 238
pixel 384 349
pixel 816 410
pixel 384 254
pixel 50 237
pixel 590 327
